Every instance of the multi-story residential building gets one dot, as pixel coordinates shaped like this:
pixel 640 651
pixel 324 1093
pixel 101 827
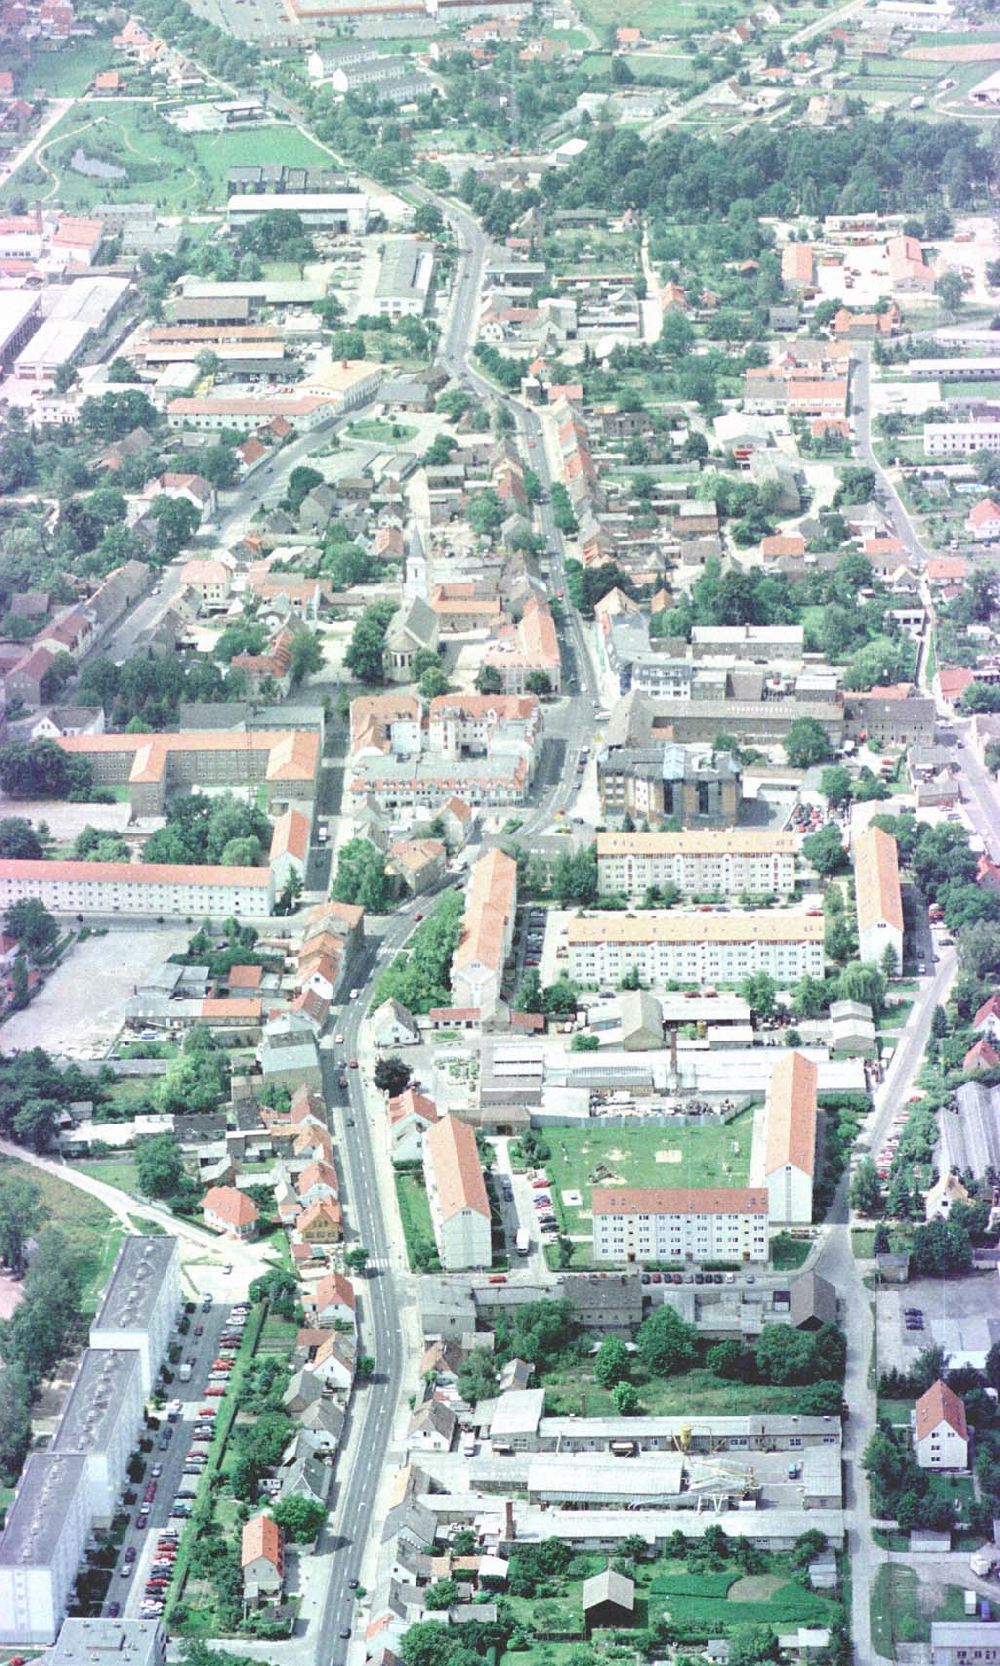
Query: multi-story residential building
pixel 100 1421
pixel 667 782
pixel 718 1224
pixel 286 761
pixel 728 861
pixel 694 947
pixel 783 1156
pixel 140 1303
pixel 462 725
pixel 879 897
pixel 140 888
pixel 531 646
pixel 456 1192
pixel 109 1643
pixel 41 1546
pixel 487 933
pixel 940 1431
pixel 961 439
pixel 482 748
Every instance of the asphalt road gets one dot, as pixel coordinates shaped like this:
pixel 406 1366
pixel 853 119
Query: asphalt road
pixel 891 502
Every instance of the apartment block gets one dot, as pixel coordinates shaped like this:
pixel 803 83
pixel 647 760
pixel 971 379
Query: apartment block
pixel 100 1421
pixel 150 765
pixel 140 1302
pixel 146 889
pixel 727 1223
pixel 456 1192
pixel 879 897
pixel 960 439
pixel 695 948
pixel 728 862
pixel 41 1546
pixel 783 1156
pixel 487 933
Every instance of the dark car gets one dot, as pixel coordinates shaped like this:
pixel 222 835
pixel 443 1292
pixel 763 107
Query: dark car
pixel 342 1081
pixel 114 1609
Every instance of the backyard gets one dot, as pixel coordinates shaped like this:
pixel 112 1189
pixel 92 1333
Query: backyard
pixel 580 1159
pixel 418 1229
pixel 570 1390
pixel 902 1609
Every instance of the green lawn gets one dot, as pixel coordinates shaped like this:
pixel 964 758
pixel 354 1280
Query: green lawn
pixel 571 1389
pixel 373 428
pixel 90 1228
pixel 788 1253
pixel 971 390
pixel 114 1171
pixel 581 1158
pixel 63 71
pixel 418 1230
pixel 902 1611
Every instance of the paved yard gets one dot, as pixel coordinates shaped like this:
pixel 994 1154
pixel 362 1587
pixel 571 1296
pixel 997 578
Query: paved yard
pixel 79 1012
pixel 955 1314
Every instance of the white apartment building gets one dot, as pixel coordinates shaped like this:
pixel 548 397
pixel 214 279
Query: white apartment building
pixel 879 899
pixel 725 1223
pixel 138 888
pixel 695 948
pixel 456 1192
pixel 141 1302
pixel 783 1154
pixel 960 439
pixel 101 1420
pixel 726 861
pixel 41 1546
pixel 940 1431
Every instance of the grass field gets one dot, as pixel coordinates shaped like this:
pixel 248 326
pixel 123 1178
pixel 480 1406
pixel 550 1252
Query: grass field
pixel 971 390
pixel 64 71
pixel 901 1612
pixel 587 1157
pixel 571 1389
pixel 418 1230
pixel 656 17
pixel 90 1228
pixel 374 429
pixel 191 174
pixel 114 1171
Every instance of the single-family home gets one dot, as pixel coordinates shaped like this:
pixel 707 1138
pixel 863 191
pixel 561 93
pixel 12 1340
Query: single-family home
pixel 226 1209
pixel 262 1559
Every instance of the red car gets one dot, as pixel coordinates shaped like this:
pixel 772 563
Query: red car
pixel 218 1392
pixel 352 1064
pixel 418 917
pixel 342 1081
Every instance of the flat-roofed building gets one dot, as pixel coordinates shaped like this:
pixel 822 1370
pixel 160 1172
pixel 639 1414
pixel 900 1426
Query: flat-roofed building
pixel 456 1192
pixel 965 1643
pixel 109 1643
pixel 694 947
pixel 41 1546
pixel 783 1158
pixel 719 1223
pixel 20 315
pixel 404 278
pixel 343 211
pixel 140 1303
pixel 767 1432
pixel 101 1419
pixel 724 860
pixel 879 897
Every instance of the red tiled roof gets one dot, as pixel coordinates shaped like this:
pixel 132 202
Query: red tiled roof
pixel 940 1405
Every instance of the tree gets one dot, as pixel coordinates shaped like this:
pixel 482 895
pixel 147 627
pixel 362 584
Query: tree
pixel 301 482
pixel 279 1289
pixel 433 682
pixel 862 983
pixel 477 1376
pixel 752 1645
pixel 19 840
pixel 177 521
pixel 866 1189
pixel 760 991
pixel 444 1593
pixel 356 1259
pixel 835 784
pixel 361 877
pixel 782 1355
pixel 824 850
pixel 300 1519
pixel 392 1076
pixel 810 998
pixel 665 1341
pixel 951 287
pixel 15 1421
pixel 807 743
pixel 305 656
pixel 364 655
pixel 625 1397
pixel 159 1166
pixel 889 963
pixel 489 680
pixel 485 513
pixel 538 682
pixel 20 985
pixel 31 924
pixel 611 1364
pixel 21 1214
pixel 941 1249
pixel 36 1122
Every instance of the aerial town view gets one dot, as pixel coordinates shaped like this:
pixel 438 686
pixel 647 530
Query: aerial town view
pixel 499 832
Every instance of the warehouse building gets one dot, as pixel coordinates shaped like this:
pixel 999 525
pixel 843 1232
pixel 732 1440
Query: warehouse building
pixel 41 1546
pixel 727 861
pixel 404 278
pixel 100 1421
pixel 719 1223
pixel 340 211
pixel 140 1303
pixel 20 314
pixel 695 948
pixel 970 1133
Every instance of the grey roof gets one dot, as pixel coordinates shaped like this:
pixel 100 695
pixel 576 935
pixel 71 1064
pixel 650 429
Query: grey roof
pixel 417 621
pixel 308 1477
pixel 392 1008
pixel 813 1297
pixel 95 1399
pixel 93 1642
pixel 43 1503
pixel 518 1412
pixel 609 1586
pixel 134 1290
pixel 434 1415
pixel 970 1135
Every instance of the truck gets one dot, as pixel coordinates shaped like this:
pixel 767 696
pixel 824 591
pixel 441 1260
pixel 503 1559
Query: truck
pixel 522 1242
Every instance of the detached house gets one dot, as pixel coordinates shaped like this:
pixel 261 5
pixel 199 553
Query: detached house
pixel 262 1559
pixel 332 1301
pixel 940 1433
pixel 225 1209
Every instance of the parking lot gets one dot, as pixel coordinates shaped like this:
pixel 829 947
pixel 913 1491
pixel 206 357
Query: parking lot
pixel 141 1578
pixel 954 1315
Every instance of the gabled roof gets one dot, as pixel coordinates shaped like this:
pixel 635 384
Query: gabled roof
pixel 230 1205
pixel 791 1114
pixel 940 1405
pixel 261 1538
pixel 450 1147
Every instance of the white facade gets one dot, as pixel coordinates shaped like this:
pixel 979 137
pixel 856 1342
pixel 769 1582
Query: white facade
pixel 667 1226
pixel 141 1302
pixel 100 1421
pixel 960 439
pixel 69 888
pixel 464 1241
pixel 319 210
pixel 942 1448
pixel 695 948
pixel 727 862
pixel 456 1193
pixel 41 1547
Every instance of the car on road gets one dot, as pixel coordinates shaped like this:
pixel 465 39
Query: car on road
pixel 352 1064
pixel 342 1081
pixel 113 1610
pixel 417 918
pixel 125 1571
pixel 339 1040
pixel 199 1330
pixel 352 1584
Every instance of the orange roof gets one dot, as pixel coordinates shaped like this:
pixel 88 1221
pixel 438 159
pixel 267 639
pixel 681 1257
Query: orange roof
pixel 230 1205
pixel 983 512
pixel 947 569
pixel 471 706
pixel 216 1010
pixel 797 263
pixel 334 1287
pixel 989 1009
pixel 883 546
pixel 262 1538
pixel 317 1174
pixel 135 873
pixel 325 1210
pixel 876 880
pixel 982 1055
pixel 415 854
pixel 412 1104
pixel 291 835
pixel 453 1158
pixel 940 1405
pixel 489 905
pixel 715 1200
pixel 782 543
pixel 791 1114
pixel 953 680
pixel 245 977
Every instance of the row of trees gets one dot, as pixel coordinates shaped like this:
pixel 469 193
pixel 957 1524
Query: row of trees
pixel 420 977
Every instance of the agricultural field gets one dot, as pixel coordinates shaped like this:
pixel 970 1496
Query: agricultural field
pixel 583 1158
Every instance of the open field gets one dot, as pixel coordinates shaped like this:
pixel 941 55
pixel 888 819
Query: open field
pixel 902 1610
pixel 582 1158
pixel 63 71
pixel 88 1226
pixel 114 1171
pixel 571 1389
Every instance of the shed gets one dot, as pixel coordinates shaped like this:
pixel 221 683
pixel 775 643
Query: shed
pixel 608 1600
pixel 813 1302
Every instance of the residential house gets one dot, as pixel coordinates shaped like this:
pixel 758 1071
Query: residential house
pixel 410 1115
pixel 332 1301
pixel 418 863
pixel 432 1427
pixel 262 1559
pixel 393 1025
pixel 225 1209
pixel 940 1432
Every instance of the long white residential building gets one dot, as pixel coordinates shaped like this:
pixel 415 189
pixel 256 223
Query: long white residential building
pixel 878 896
pixel 960 439
pixel 694 947
pixel 138 888
pixel 101 1420
pixel 41 1546
pixel 721 1223
pixel 456 1192
pixel 141 1302
pixel 724 861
